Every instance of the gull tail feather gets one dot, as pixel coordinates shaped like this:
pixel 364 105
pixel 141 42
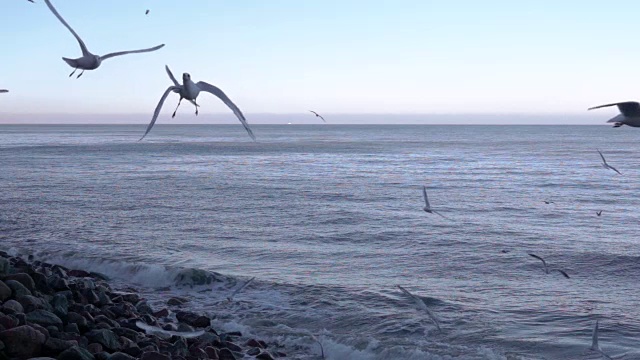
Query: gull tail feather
pixel 72 62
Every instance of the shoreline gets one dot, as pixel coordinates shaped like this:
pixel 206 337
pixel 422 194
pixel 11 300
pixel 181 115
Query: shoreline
pixel 51 311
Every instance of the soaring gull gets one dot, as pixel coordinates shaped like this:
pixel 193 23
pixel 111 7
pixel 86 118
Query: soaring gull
pixel 420 305
pixel 89 61
pixel 190 91
pixel 607 166
pixel 629 113
pixel 318 115
pixel 546 268
pixel 427 207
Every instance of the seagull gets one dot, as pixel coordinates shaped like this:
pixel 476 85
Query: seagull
pixel 190 91
pixel 146 12
pixel 427 207
pixel 420 305
pixel 318 115
pixel 166 334
pixel 607 166
pixel 630 114
pixel 230 297
pixel 548 202
pixel 546 268
pixel 3 91
pixel 89 61
pixel 596 347
pixel 599 212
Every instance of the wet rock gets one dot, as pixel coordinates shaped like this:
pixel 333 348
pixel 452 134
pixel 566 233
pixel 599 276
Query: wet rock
pixel 55 346
pixel 12 307
pixel 60 305
pixel 254 351
pixel 31 303
pixel 254 343
pixel 81 321
pixel 5 291
pixel 121 356
pixel 193 319
pixel 44 318
pixel 231 346
pixel 265 356
pixel 131 297
pixel 42 330
pixel 22 341
pixel 22 318
pixel 72 328
pixel 103 299
pixel 99 276
pixel 193 277
pixel 154 355
pixel 104 319
pixel 179 347
pixel 4 266
pixel 126 332
pixel 78 273
pixel 162 313
pixel 104 337
pixel 41 283
pixel 94 348
pixel 226 354
pixel 24 279
pixel 176 301
pixel 76 353
pixel 58 283
pixel 17 288
pixel 197 353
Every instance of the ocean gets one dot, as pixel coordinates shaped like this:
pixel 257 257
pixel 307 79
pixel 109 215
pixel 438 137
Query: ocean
pixel 329 220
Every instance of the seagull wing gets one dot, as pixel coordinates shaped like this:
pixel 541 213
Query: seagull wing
pixel 225 99
pixel 110 55
pixel 156 112
pixel 594 338
pixel 173 78
pixel 418 301
pixel 426 199
pixel 437 213
pixel 157 330
pixel 320 116
pixel 539 258
pixel 614 169
pixel 627 108
pixel 563 273
pixel 4 91
pixel 83 47
pixel 602 156
pixel 433 318
pixel 240 288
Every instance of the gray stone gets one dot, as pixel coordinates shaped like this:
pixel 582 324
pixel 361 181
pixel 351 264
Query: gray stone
pixel 44 318
pixel 193 319
pixel 5 291
pixel 8 321
pixel 30 303
pixel 4 266
pixel 121 356
pixel 226 354
pixel 72 328
pixel 94 348
pixel 75 353
pixel 24 279
pixel 60 305
pixel 22 341
pixel 55 346
pixel 105 338
pixel 17 288
pixel 12 307
pixel 75 318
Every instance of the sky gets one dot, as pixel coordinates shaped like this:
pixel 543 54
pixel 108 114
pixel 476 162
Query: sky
pixel 342 57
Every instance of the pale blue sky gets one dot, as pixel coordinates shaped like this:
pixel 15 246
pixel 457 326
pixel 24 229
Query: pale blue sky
pixel 335 56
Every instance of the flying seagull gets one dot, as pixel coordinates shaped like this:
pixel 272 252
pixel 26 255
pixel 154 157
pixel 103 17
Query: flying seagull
pixel 599 212
pixel 548 202
pixel 630 114
pixel 318 115
pixel 230 297
pixel 146 12
pixel 427 206
pixel 546 268
pixel 607 166
pixel 420 305
pixel 190 91
pixel 3 91
pixel 89 61
pixel 166 334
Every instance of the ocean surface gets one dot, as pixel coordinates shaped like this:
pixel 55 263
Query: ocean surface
pixel 329 220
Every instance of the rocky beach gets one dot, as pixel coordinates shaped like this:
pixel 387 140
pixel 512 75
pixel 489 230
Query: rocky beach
pixel 49 311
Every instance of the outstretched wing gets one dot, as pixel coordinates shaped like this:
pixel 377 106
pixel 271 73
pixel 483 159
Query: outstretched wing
pixel 602 156
pixel 225 99
pixel 4 91
pixel 426 199
pixel 563 273
pixel 614 169
pixel 156 112
pixel 110 55
pixel 240 288
pixel 149 329
pixel 539 258
pixel 173 78
pixel 421 305
pixel 318 115
pixel 627 108
pixel 83 47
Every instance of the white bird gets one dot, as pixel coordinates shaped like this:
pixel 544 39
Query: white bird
pixel 318 115
pixel 89 61
pixel 546 268
pixel 427 207
pixel 190 91
pixel 165 334
pixel 230 297
pixel 420 305
pixel 630 114
pixel 607 166
pixel 3 91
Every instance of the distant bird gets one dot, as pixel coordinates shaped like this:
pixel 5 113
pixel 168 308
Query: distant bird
pixel 3 91
pixel 146 12
pixel 420 305
pixel 605 165
pixel 548 202
pixel 630 114
pixel 89 61
pixel 546 268
pixel 599 212
pixel 190 91
pixel 30 1
pixel 230 297
pixel 427 207
pixel 318 115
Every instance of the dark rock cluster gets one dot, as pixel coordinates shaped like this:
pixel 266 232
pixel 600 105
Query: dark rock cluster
pixel 51 312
